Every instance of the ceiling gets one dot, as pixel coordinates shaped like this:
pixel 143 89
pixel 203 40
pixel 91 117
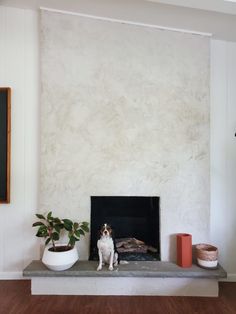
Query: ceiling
pixel 216 17
pixel 223 6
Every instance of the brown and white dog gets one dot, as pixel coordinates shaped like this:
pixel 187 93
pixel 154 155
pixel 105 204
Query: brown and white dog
pixel 106 248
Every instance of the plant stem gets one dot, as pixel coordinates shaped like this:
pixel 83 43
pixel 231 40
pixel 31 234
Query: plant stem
pixel 54 246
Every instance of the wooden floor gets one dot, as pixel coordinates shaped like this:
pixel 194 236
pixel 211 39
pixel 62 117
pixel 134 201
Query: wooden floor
pixel 15 297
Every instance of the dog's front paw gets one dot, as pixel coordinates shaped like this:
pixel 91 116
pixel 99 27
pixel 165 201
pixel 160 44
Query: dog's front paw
pixel 99 267
pixel 110 267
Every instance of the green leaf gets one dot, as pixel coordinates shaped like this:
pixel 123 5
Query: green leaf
pixel 38 223
pixel 40 216
pixel 85 223
pixel 47 241
pixel 55 236
pixel 68 227
pixel 76 225
pixel 58 227
pixel 70 233
pixel 39 235
pixel 49 216
pixel 85 228
pixel 67 221
pixel 82 232
pixel 77 233
pixel 43 228
pixel 42 232
pixel 68 224
pixel 57 220
pixel 72 241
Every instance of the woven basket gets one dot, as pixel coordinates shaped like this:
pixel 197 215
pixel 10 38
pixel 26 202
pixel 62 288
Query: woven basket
pixel 206 252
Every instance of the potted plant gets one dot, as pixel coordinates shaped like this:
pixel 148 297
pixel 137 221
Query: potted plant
pixel 58 256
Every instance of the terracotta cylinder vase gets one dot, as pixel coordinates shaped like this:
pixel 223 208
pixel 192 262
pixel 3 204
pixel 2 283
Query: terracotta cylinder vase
pixel 184 249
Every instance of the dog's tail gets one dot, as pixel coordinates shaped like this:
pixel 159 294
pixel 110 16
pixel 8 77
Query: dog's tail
pixel 123 262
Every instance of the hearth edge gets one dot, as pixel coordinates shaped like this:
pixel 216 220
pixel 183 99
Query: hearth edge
pixel 155 269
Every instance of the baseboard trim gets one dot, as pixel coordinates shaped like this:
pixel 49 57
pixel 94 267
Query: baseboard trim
pixel 230 278
pixel 10 275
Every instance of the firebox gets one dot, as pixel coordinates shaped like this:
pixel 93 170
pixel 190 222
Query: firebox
pixel 135 224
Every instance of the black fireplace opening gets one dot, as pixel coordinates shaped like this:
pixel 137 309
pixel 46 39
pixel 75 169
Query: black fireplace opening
pixel 135 224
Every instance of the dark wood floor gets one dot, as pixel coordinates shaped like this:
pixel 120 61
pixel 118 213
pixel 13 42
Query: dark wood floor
pixel 15 297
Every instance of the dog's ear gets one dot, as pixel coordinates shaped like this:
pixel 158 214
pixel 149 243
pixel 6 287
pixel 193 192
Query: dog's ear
pixel 110 229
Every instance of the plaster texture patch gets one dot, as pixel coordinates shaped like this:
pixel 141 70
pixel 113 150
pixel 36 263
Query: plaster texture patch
pixel 125 111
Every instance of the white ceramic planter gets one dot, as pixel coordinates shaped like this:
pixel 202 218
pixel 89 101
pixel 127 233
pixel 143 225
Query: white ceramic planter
pixel 59 261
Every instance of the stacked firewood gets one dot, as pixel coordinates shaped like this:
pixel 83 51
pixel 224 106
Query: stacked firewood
pixel 134 245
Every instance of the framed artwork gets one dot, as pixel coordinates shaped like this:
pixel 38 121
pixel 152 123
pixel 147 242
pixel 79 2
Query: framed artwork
pixel 5 143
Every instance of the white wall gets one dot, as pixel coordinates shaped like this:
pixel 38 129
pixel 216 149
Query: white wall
pixel 223 152
pixel 19 70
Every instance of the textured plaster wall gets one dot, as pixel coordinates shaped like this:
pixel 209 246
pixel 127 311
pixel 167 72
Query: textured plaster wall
pixel 125 111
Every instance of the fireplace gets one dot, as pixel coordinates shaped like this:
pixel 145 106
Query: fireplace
pixel 135 221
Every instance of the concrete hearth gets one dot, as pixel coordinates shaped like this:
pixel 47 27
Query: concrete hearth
pixel 135 278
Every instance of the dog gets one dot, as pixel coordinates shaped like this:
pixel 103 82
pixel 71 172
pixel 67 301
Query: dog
pixel 106 248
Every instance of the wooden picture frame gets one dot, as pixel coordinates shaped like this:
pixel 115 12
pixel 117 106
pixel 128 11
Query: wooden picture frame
pixel 5 144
